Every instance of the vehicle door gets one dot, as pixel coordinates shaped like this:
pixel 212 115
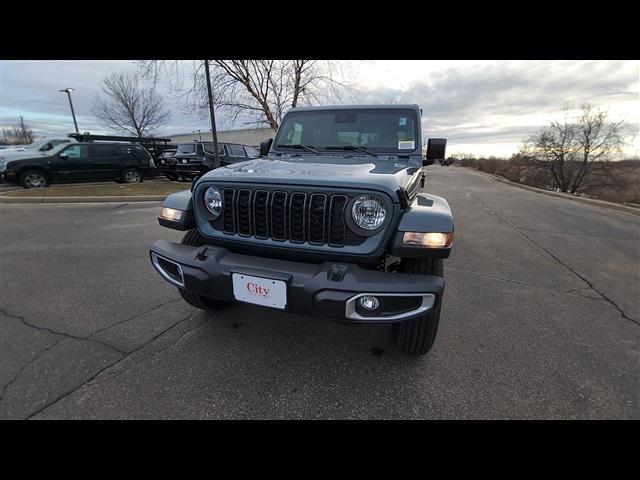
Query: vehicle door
pixel 105 161
pixel 71 164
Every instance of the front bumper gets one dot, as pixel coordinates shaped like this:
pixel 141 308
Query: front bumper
pixel 193 168
pixel 327 290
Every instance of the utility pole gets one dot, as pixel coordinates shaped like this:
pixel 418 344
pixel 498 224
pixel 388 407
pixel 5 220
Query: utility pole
pixel 24 130
pixel 214 134
pixel 199 133
pixel 4 134
pixel 68 92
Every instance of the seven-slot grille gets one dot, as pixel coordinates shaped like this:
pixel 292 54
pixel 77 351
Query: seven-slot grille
pixel 314 218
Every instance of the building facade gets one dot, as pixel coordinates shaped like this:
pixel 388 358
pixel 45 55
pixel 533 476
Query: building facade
pixel 247 136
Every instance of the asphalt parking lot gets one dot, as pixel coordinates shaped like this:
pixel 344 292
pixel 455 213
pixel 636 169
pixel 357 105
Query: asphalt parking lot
pixel 541 319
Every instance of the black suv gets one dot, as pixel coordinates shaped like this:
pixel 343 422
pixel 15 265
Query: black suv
pixel 197 158
pixel 166 164
pixel 122 162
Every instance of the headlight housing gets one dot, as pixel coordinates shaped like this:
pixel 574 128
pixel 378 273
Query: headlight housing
pixel 213 201
pixel 369 212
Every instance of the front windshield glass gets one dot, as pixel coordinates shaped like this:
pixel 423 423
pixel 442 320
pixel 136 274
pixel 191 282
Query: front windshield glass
pixel 186 148
pixel 38 143
pixel 380 131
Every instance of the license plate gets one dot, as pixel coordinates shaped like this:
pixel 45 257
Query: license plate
pixel 261 291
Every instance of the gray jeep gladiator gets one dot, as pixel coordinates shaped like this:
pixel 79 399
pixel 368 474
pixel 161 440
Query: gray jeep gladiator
pixel 330 221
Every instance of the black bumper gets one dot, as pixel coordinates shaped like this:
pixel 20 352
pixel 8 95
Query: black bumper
pixel 325 290
pixel 191 169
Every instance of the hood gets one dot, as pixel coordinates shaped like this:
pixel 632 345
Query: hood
pixel 385 173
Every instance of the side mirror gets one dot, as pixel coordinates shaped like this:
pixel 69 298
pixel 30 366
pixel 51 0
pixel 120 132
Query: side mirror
pixel 265 147
pixel 435 150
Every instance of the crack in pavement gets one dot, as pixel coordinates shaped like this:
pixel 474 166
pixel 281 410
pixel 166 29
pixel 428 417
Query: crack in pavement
pixel 608 300
pixel 65 335
pixel 54 332
pixel 17 375
pixel 137 315
pixel 90 379
pixel 520 282
pixel 153 354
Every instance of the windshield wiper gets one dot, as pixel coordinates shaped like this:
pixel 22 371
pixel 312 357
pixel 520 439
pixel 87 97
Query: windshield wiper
pixel 299 146
pixel 350 147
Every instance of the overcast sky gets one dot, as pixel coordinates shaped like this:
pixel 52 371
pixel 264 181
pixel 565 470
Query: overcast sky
pixel 482 107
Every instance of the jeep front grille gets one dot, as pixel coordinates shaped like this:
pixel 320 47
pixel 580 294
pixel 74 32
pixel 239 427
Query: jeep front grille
pixel 299 217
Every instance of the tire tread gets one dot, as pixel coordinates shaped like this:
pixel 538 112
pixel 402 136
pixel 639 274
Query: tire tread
pixel 416 336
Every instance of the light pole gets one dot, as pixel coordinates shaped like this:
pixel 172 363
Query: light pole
pixel 68 92
pixel 212 115
pixel 199 133
pixel 24 130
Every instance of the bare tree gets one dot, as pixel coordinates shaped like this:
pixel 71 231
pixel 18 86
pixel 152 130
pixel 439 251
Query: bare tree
pixel 15 135
pixel 130 105
pixel 259 91
pixel 574 152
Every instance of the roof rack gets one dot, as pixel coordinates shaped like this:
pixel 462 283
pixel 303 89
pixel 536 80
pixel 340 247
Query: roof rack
pixel 87 137
pixel 155 146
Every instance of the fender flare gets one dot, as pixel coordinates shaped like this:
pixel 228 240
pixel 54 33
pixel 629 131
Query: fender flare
pixel 427 213
pixel 182 201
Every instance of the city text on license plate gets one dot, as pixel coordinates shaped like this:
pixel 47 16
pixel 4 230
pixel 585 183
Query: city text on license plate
pixel 259 290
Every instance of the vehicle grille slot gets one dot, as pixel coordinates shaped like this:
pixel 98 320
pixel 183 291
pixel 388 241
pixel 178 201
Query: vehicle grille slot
pixel 260 217
pixel 278 216
pixel 317 208
pixel 228 221
pixel 297 210
pixel 296 216
pixel 336 220
pixel 243 209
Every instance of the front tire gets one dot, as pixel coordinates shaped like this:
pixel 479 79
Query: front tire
pixel 131 175
pixel 416 336
pixel 194 239
pixel 34 179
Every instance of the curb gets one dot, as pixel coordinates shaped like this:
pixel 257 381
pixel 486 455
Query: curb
pixel 114 199
pixel 589 201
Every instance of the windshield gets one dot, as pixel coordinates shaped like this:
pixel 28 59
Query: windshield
pixel 38 143
pixel 186 148
pixel 383 130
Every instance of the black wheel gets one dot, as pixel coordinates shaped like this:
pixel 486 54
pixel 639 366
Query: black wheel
pixel 34 179
pixel 172 176
pixel 185 178
pixel 131 175
pixel 416 336
pixel 193 238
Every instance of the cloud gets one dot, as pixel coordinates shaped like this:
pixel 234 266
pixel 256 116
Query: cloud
pixel 506 101
pixel 476 104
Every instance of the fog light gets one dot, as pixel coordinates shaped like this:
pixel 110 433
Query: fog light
pixel 429 240
pixel 171 214
pixel 369 303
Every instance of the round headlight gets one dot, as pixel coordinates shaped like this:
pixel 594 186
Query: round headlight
pixel 213 201
pixel 368 212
